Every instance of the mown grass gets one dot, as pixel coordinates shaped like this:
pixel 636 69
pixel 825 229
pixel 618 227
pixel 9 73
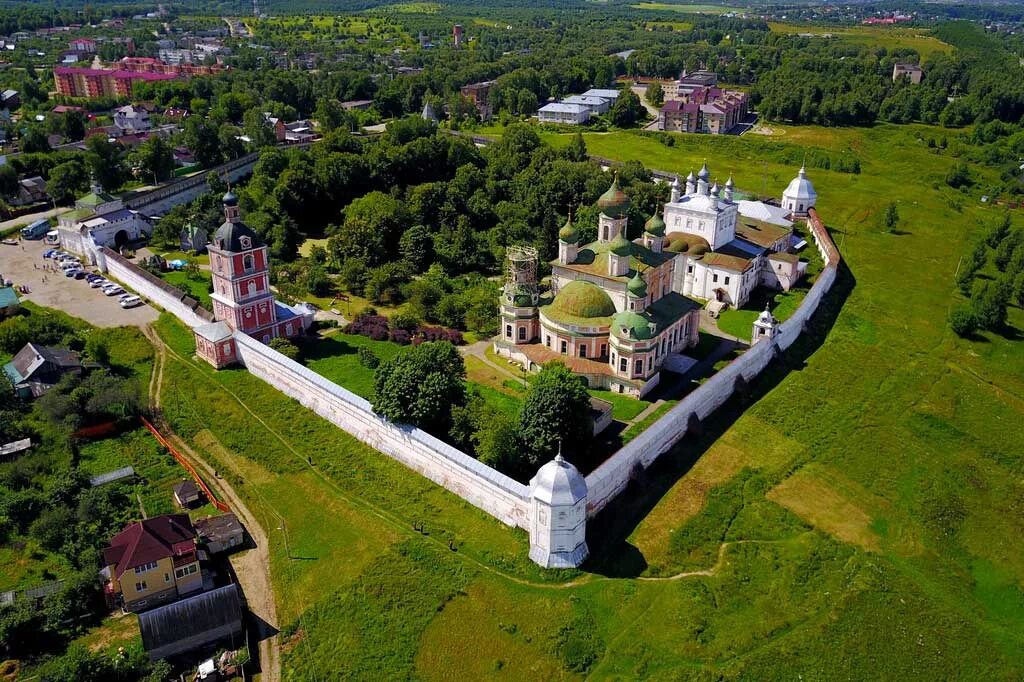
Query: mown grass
pixel 878 410
pixel 196 285
pixel 889 37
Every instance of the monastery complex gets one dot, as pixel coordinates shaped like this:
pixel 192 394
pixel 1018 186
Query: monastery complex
pixel 619 309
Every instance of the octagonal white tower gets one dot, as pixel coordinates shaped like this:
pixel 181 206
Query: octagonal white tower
pixel 558 527
pixel 799 196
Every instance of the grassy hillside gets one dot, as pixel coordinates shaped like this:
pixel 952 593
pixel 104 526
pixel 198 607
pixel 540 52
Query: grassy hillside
pixel 857 515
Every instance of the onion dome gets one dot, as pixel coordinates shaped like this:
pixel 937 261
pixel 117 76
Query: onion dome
pixel 729 183
pixel 637 287
pixel 580 299
pixel 614 203
pixel 568 233
pixel 655 226
pixel 620 246
pixel 690 177
pixel 675 182
pixel 631 326
pixel 229 199
pixel 678 245
pixel 715 190
pixel 704 173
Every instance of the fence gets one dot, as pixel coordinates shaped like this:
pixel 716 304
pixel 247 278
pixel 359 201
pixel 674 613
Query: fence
pixel 188 467
pixel 609 479
pixel 477 483
pixel 149 286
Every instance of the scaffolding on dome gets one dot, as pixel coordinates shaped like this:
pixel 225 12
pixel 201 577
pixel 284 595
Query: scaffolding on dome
pixel 521 273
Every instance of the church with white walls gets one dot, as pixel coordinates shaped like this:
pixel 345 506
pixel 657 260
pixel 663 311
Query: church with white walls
pixel 618 310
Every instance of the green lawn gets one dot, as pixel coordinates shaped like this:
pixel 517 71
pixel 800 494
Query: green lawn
pixel 196 285
pixel 739 322
pixel 869 484
pixel 624 408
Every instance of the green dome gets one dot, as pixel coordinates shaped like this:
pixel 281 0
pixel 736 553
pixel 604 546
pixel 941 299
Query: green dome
pixel 620 246
pixel 636 286
pixel 655 226
pixel 580 299
pixel 614 203
pixel 631 327
pixel 568 232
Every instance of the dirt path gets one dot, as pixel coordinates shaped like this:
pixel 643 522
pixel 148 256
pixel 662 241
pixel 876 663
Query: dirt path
pixel 252 568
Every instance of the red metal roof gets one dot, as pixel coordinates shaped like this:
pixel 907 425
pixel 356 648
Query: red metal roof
pixel 157 538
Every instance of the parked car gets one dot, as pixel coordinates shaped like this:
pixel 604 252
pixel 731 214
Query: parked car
pixel 49 253
pixel 98 282
pixel 130 301
pixel 113 291
pixel 71 272
pixel 92 277
pixel 80 274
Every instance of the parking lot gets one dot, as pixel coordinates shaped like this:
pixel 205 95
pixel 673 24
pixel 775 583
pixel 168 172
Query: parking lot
pixel 24 265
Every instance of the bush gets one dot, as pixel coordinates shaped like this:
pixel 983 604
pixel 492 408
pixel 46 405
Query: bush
pixel 988 305
pixel 368 359
pixel 285 347
pixel 962 321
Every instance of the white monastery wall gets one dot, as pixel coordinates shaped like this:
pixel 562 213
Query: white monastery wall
pixel 478 484
pixel 152 288
pixel 611 478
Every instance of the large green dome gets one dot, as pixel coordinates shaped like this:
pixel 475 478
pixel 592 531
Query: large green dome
pixel 614 203
pixel 631 327
pixel 580 299
pixel 655 226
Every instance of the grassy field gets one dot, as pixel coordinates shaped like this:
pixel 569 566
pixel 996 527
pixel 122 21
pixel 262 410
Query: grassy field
pixel 686 9
pixel 854 515
pixel 196 285
pixel 889 37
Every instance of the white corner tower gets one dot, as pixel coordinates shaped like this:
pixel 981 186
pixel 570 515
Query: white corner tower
pixel 765 327
pixel 558 509
pixel 799 196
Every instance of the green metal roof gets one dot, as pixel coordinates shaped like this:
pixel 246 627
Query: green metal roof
pixel 568 232
pixel 637 287
pixel 620 246
pixel 655 226
pixel 633 326
pixel 8 297
pixel 580 303
pixel 614 203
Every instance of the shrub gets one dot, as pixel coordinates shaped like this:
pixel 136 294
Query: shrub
pixel 367 358
pixel 962 321
pixel 988 305
pixel 285 347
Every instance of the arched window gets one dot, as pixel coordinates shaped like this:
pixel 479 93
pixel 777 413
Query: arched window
pixel 248 262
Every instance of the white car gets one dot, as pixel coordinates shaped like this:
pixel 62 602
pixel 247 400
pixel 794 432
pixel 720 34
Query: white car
pixel 129 301
pixel 113 290
pixel 97 283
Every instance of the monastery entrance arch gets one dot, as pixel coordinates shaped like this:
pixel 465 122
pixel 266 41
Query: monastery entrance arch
pixel 120 239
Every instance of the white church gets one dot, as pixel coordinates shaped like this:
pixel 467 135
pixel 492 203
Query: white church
pixel 100 219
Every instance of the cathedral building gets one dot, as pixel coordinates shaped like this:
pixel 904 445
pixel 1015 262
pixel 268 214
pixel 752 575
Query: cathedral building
pixel 619 310
pixel 242 299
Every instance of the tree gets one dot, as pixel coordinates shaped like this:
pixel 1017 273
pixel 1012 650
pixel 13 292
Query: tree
pixel 959 176
pixel 258 128
pixel 892 216
pixel 155 158
pixel 627 110
pixel 497 441
pixel 577 149
pixel 67 181
pixel 988 303
pixel 655 94
pixel 203 141
pixel 420 385
pixel 9 186
pixel 330 115
pixel 556 410
pixel 106 162
pixel 416 248
pixel 962 321
pixel 34 141
pixel 998 232
pixel 285 347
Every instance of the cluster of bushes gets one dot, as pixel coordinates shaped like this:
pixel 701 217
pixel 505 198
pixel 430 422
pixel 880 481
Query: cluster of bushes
pixel 988 296
pixel 401 329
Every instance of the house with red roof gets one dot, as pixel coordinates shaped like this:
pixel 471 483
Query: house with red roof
pixel 152 562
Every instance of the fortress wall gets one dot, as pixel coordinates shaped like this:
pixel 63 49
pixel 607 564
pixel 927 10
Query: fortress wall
pixel 612 477
pixel 476 483
pixel 152 288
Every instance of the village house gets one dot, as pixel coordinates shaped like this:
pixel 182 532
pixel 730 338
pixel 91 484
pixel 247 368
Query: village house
pixel 912 72
pixel 187 494
pixel 152 562
pixel 36 369
pixel 220 533
pixel 131 119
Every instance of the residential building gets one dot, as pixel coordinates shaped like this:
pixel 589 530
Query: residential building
pixel 86 45
pixel 187 494
pixel 193 238
pixel 220 533
pixel 152 562
pixel 597 105
pixel 704 110
pixel 9 302
pixel 568 114
pixel 480 95
pixel 74 81
pixel 131 119
pixel 912 72
pixel 30 191
pixel 35 369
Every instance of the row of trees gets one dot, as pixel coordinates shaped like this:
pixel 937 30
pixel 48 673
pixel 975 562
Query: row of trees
pixel 988 296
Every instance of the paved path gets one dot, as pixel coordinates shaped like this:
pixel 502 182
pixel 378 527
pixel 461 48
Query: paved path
pixel 479 351
pixel 21 221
